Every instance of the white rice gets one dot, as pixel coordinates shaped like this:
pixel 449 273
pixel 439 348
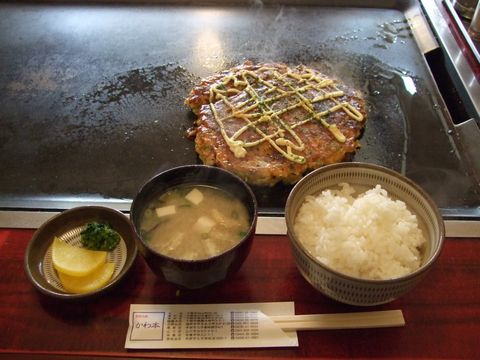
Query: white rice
pixel 369 236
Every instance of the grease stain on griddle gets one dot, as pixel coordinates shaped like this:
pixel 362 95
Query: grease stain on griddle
pixel 139 100
pixel 132 118
pixel 152 82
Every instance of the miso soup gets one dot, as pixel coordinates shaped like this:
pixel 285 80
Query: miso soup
pixel 194 222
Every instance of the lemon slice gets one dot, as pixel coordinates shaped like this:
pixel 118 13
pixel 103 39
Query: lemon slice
pixel 76 261
pixel 93 281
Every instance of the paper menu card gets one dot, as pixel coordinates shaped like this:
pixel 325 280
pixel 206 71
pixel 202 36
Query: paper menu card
pixel 153 326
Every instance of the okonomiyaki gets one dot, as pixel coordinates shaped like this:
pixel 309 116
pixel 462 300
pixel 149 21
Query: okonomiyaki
pixel 270 123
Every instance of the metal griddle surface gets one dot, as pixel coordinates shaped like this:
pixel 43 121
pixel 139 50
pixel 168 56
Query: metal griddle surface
pixel 91 97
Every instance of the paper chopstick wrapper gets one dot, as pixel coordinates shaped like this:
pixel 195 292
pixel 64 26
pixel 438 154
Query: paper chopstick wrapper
pixel 237 325
pixel 208 326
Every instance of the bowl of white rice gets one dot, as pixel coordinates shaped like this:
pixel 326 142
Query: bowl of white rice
pixel 362 234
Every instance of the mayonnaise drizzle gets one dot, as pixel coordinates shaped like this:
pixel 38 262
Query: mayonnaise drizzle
pixel 257 109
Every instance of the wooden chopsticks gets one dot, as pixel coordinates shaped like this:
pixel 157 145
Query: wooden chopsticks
pixel 356 320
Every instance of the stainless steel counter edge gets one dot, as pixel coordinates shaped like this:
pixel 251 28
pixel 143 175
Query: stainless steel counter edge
pixel 266 225
pixel 433 9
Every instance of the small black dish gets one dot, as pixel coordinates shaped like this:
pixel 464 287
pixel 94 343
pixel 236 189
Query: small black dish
pixel 67 225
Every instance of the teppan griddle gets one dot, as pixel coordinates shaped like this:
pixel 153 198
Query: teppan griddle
pixel 91 95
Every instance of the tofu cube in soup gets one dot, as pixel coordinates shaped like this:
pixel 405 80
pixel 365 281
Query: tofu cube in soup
pixel 165 210
pixel 195 196
pixel 203 225
pixel 210 247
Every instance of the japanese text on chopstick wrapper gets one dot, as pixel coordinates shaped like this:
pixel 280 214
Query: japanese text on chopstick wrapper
pixel 208 326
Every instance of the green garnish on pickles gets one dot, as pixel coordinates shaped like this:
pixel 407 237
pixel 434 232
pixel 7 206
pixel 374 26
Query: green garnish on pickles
pixel 99 236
